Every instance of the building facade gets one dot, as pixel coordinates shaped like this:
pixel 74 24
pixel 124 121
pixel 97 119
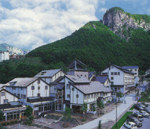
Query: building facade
pixel 4 56
pixel 10 106
pixel 121 79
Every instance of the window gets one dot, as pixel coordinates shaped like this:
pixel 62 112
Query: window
pixel 77 96
pixel 112 78
pixel 68 96
pixel 5 101
pixel 112 83
pixel 38 94
pixel 68 86
pixel 46 87
pixel 88 96
pixel 21 88
pixel 14 88
pixel 3 94
pixel 118 73
pixel 38 88
pixel 112 73
pixel 32 87
pixel 115 73
pixel 72 89
pixel 38 82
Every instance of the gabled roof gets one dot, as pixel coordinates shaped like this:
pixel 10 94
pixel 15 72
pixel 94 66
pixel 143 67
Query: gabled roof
pixel 77 65
pixel 47 73
pixel 93 87
pixel 124 70
pixel 101 78
pixel 9 92
pixel 76 79
pixel 21 82
pixel 130 67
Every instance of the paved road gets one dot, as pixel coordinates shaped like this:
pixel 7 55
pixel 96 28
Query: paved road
pixel 111 116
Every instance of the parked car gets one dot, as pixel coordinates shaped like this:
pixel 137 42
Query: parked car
pixel 145 104
pixel 130 125
pixel 138 107
pixel 138 115
pixel 135 120
pixel 144 113
pixel 147 110
pixel 140 119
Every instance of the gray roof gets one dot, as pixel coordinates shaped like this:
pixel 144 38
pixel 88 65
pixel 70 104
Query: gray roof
pixel 48 73
pixel 91 74
pixel 124 70
pixel 101 78
pixel 77 79
pixel 130 67
pixel 93 87
pixel 21 82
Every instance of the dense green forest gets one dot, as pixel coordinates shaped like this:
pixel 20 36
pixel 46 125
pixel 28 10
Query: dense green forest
pixel 94 44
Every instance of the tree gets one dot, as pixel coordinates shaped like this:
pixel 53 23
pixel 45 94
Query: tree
pixel 100 104
pixel 1 115
pixel 84 108
pixel 119 95
pixel 28 111
pixel 67 113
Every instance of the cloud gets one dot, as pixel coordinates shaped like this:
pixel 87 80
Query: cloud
pixel 103 10
pixel 32 23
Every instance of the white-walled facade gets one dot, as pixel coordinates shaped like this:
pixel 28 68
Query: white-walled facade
pixel 6 97
pixel 120 80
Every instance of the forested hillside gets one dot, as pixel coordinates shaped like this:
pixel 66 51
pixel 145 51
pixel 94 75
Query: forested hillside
pixel 94 44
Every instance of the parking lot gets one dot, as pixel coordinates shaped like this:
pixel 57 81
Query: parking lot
pixel 145 122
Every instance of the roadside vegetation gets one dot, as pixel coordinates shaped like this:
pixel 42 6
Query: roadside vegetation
pixel 145 96
pixel 121 121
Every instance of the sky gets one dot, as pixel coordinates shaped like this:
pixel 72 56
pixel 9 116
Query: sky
pixel 28 24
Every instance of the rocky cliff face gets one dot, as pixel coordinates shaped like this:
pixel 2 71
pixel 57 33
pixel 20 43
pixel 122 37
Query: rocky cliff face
pixel 123 23
pixel 11 49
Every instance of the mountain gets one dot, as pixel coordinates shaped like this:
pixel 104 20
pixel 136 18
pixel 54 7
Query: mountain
pixel 123 23
pixel 95 44
pixel 11 49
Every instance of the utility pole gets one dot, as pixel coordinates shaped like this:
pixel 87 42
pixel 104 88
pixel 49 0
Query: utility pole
pixel 116 109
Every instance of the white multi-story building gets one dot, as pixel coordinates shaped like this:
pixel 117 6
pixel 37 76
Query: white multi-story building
pixel 10 106
pixel 4 56
pixel 80 89
pixel 121 79
pixel 135 70
pixel 34 92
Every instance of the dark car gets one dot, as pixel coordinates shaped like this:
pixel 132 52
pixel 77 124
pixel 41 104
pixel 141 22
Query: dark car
pixel 135 120
pixel 137 114
pixel 138 107
pixel 145 104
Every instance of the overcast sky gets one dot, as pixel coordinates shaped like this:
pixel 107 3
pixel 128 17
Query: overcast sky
pixel 31 23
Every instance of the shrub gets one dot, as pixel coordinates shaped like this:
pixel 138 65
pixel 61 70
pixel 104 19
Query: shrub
pixel 28 111
pixel 28 120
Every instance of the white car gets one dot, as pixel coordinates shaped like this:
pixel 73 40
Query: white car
pixel 145 114
pixel 130 125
